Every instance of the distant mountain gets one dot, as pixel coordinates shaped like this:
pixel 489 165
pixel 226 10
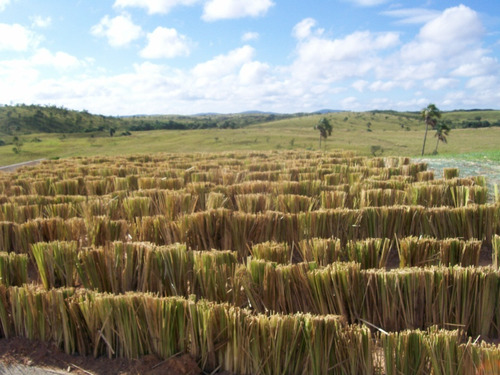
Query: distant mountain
pixel 324 111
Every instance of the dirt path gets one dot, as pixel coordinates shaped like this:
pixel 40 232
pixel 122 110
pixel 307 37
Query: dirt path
pixel 13 167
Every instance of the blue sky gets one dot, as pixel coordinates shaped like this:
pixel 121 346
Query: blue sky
pixel 124 57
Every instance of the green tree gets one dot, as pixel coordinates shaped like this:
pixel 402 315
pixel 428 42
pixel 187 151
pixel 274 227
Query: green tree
pixel 442 130
pixel 18 144
pixel 430 115
pixel 325 129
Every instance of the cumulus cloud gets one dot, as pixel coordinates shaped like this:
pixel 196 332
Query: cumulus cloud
pixel 59 60
pixel 3 4
pixel 16 38
pixel 483 65
pixel 321 58
pixel 224 64
pixel 446 47
pixel 165 43
pixel 41 22
pixel 248 36
pixel 412 15
pixel 228 9
pixel 352 71
pixel 154 6
pixel 450 34
pixel 303 29
pixel 360 85
pixel 441 83
pixel 119 30
pixel 253 72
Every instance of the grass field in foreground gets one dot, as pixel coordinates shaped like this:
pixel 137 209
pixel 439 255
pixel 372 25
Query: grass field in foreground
pixel 291 134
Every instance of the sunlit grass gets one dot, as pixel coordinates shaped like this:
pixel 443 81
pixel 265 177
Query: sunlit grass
pixel 393 135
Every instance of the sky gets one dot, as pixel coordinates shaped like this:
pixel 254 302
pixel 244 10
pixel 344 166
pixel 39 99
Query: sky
pixel 126 57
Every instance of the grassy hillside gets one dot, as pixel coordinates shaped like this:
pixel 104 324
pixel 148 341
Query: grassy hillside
pixel 23 119
pixel 379 132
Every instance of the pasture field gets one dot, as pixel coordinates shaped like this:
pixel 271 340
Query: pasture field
pixel 261 262
pixel 390 134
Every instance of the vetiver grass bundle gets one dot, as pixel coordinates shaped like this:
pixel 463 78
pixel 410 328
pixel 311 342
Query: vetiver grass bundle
pixel 169 203
pixel 392 300
pixel 424 352
pixel 56 263
pixel 102 230
pixel 381 197
pixel 495 242
pixel 323 251
pixel 219 335
pixel 47 230
pixel 420 252
pixel 449 173
pixel 13 269
pixel 231 338
pixel 169 271
pixel 41 315
pixel 333 199
pixel 272 251
pixel 9 236
pixel 369 253
pixel 156 229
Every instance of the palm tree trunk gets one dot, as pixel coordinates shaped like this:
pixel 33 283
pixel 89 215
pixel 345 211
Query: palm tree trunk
pixel 425 136
pixel 437 144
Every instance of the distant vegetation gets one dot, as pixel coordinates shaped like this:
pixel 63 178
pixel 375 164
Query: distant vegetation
pixel 29 132
pixel 26 119
pixel 29 119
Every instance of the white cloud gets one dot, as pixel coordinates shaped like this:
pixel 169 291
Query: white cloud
pixel 224 64
pixel 41 22
pixel 448 35
pixel 440 83
pixel 360 85
pixel 228 9
pixel 165 43
pixel 482 66
pixel 351 103
pixel 250 36
pixel 59 60
pixel 303 29
pixel 3 4
pixel 336 59
pixel 412 15
pixel 154 6
pixel 119 30
pixel 253 72
pixel 16 38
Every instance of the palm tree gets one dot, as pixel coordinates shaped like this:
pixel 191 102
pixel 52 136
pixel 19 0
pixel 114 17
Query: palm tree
pixel 325 129
pixel 442 130
pixel 430 114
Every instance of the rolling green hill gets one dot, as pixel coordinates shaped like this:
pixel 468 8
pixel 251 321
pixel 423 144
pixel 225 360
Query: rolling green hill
pixel 64 133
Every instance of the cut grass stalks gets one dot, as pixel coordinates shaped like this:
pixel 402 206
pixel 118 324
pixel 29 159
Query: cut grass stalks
pixel 56 263
pixel 496 251
pixel 421 252
pixel 169 271
pixel 219 335
pixel 13 269
pixel 392 300
pixel 272 251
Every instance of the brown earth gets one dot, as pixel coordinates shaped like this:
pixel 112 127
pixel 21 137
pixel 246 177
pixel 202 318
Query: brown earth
pixel 42 355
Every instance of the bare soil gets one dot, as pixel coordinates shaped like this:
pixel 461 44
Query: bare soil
pixel 19 353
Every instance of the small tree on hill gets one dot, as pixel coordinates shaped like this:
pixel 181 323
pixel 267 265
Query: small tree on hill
pixel 430 115
pixel 325 129
pixel 442 130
